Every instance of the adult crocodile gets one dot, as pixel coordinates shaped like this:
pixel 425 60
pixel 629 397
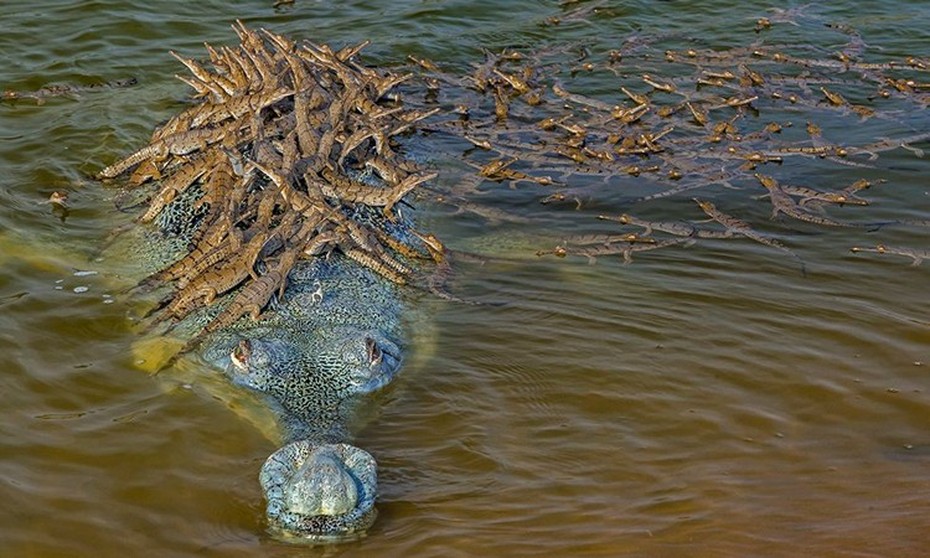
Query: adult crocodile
pixel 334 336
pixel 273 214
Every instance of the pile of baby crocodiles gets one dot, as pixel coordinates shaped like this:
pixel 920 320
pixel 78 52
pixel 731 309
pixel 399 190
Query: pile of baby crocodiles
pixel 268 151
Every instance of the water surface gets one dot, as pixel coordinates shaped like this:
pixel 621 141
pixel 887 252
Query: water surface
pixel 708 400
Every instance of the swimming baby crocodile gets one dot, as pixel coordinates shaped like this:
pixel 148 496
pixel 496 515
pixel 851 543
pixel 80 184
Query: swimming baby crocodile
pixel 290 260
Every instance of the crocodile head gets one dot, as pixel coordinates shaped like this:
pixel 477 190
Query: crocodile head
pixel 316 490
pixel 333 337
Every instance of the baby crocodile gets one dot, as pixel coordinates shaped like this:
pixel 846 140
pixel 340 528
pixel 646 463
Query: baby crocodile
pixel 64 89
pixel 917 255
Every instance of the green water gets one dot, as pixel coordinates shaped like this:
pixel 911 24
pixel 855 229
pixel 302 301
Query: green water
pixel 708 400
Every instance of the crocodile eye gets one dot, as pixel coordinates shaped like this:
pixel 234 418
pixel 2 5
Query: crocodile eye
pixel 373 351
pixel 240 355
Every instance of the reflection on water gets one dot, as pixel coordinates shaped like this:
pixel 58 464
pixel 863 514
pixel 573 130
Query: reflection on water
pixel 703 401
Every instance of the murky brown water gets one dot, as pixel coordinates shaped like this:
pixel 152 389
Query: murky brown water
pixel 704 401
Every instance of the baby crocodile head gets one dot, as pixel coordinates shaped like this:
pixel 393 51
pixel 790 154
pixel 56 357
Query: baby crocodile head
pixel 320 492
